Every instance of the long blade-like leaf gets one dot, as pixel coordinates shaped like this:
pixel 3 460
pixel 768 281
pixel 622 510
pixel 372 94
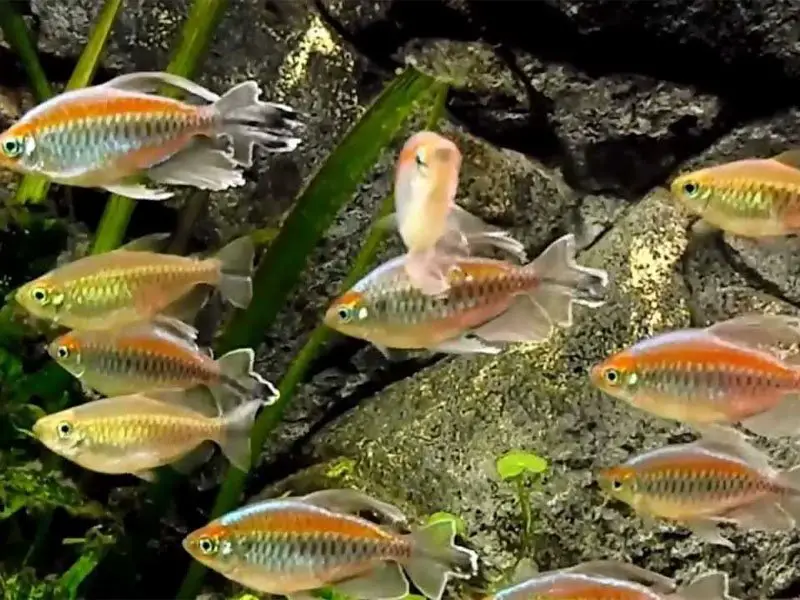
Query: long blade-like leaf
pixel 16 33
pixel 33 188
pixel 328 191
pixel 195 37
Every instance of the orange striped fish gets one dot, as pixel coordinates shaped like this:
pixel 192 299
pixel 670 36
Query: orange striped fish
pixel 718 479
pixel 613 580
pixel 755 197
pixel 138 433
pixel 162 354
pixel 488 302
pixel 432 226
pixel 108 135
pixel 134 284
pixel 301 544
pixel 731 372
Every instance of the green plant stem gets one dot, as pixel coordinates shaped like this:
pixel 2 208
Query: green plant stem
pixel 17 35
pixel 33 188
pixel 195 38
pixel 525 509
pixel 271 416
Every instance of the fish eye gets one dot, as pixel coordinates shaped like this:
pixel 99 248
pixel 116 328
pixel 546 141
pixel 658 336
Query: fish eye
pixel 690 188
pixel 611 376
pixel 616 484
pixel 64 429
pixel 344 314
pixel 419 157
pixel 12 147
pixel 207 545
pixel 62 352
pixel 40 295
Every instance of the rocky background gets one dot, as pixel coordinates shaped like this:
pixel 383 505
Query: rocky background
pixel 569 113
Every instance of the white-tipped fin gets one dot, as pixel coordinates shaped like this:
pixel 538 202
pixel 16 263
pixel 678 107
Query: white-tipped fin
pixel 138 191
pixel 708 531
pixel 239 378
pixel 201 165
pixel 152 81
pixel 465 345
pixel 435 558
pixel 384 582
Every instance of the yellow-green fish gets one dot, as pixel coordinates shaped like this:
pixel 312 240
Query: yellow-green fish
pixel 755 197
pixel 137 433
pixel 133 284
pixel 151 356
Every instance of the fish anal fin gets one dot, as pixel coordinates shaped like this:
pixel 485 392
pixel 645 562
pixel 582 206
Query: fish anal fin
pixel 138 191
pixel 708 531
pixel 524 321
pixel 201 165
pixel 148 476
pixel 782 420
pixel 762 515
pixel 465 345
pixel 187 307
pixel 193 459
pixel 385 582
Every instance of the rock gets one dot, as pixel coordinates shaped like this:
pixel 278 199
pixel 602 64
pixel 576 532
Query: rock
pixel 429 442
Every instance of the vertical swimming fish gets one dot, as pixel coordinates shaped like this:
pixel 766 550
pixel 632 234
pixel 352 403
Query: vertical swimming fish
pixel 613 580
pixel 295 545
pixel 152 356
pixel 730 372
pixel 108 135
pixel 755 197
pixel 138 433
pixel 488 302
pixel 132 284
pixel 713 480
pixel 433 227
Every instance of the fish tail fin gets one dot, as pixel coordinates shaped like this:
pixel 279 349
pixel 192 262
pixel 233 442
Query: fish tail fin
pixel 560 282
pixel 235 439
pixel 470 234
pixel 238 377
pixel 708 586
pixel 249 121
pixel 236 268
pixel 435 558
pixel 426 271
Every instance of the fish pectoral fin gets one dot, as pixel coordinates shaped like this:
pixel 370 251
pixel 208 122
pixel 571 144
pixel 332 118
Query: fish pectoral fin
pixel 193 459
pixel 384 582
pixel 782 420
pixel 138 191
pixel 352 502
pixel 200 165
pixel 152 81
pixel 154 242
pixel 708 531
pixel 149 476
pixel 625 571
pixel 766 332
pixel 762 515
pixel 790 158
pixel 524 321
pixel 392 354
pixel 712 585
pixel 465 345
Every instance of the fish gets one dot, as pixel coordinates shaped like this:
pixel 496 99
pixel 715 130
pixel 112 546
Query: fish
pixel 112 135
pixel 432 226
pixel 137 433
pixel 489 303
pixel 160 354
pixel 716 479
pixel 294 545
pixel 133 283
pixel 613 580
pixel 732 372
pixel 754 197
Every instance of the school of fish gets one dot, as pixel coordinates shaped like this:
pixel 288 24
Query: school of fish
pixel 130 337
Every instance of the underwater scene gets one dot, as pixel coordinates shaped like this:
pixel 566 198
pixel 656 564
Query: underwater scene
pixel 399 299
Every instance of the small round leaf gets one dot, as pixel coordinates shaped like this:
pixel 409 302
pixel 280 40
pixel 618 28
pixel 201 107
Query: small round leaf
pixel 516 462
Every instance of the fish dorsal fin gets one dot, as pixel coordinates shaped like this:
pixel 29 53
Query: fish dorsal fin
pixel 735 444
pixel 790 158
pixel 163 324
pixel 525 571
pixel 614 569
pixel 155 242
pixel 765 332
pixel 353 502
pixel 198 399
pixel 151 81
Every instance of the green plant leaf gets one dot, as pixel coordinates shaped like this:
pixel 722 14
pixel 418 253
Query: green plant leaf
pixel 33 188
pixel 334 183
pixel 461 528
pixel 196 34
pixel 516 462
pixel 16 33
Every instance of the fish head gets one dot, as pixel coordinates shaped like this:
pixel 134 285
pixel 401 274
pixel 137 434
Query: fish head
pixel 694 190
pixel 619 482
pixel 44 298
pixel 426 181
pixel 67 351
pixel 60 432
pixel 16 145
pixel 618 376
pixel 349 314
pixel 213 546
